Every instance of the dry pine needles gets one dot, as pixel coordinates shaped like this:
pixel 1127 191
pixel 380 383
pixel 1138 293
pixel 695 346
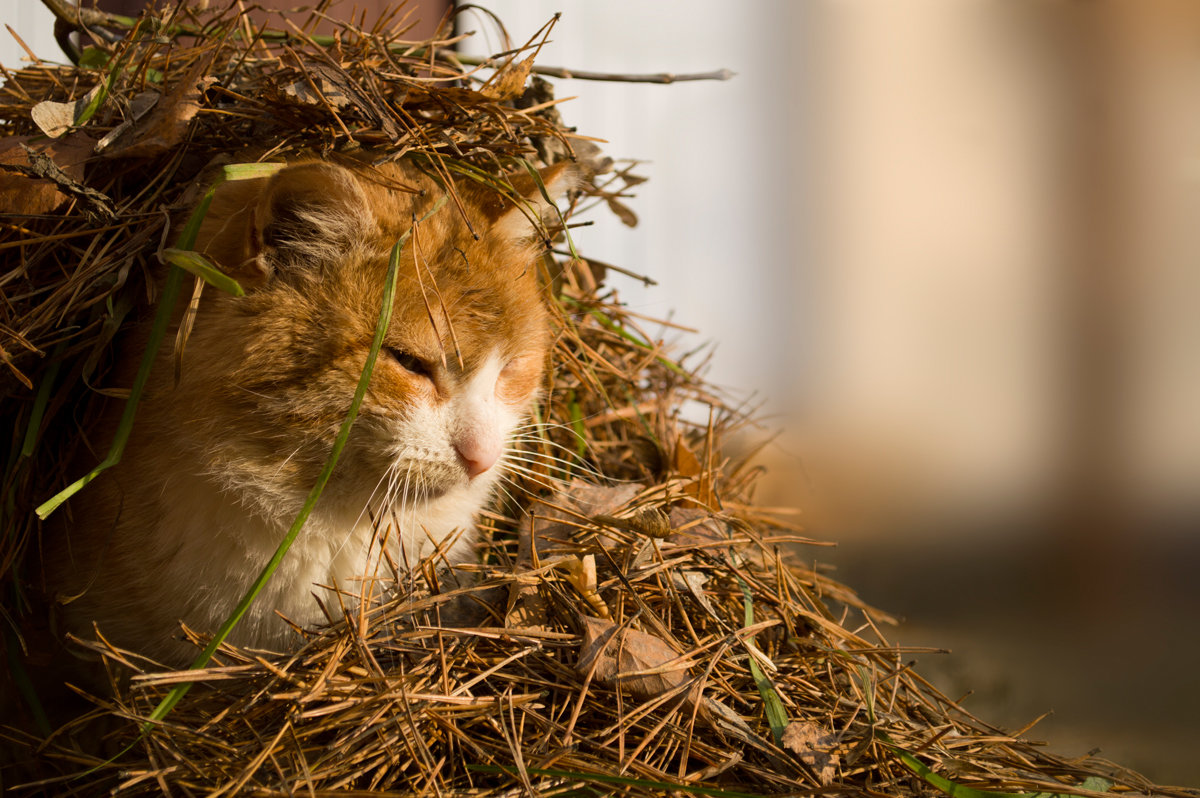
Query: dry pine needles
pixel 634 626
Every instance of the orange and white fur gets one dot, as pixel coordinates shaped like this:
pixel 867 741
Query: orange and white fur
pixel 220 463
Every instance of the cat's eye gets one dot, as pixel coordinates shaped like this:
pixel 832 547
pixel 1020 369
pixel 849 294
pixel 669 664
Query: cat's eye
pixel 410 362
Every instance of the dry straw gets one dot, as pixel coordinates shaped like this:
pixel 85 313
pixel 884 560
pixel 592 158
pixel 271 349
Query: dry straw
pixel 635 626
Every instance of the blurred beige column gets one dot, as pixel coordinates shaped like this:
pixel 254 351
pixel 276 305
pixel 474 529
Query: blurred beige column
pixel 1008 298
pixel 940 224
pixel 1155 112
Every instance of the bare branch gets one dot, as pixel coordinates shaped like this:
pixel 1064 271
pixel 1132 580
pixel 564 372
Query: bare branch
pixel 78 16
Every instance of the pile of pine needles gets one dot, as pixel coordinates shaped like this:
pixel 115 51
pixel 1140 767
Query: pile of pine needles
pixel 634 626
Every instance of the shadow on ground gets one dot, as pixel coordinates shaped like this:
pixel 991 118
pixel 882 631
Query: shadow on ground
pixel 1111 650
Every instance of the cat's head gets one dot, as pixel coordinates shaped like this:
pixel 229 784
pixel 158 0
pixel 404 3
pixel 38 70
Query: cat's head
pixel 269 377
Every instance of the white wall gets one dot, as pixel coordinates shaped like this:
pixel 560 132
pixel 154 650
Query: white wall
pixel 35 25
pixel 717 231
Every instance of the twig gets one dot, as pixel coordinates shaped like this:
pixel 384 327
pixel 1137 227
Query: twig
pixel 657 77
pixel 72 14
pixel 616 77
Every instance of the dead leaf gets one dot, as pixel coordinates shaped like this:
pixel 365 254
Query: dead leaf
pixel 326 91
pixel 622 212
pixel 548 531
pixel 525 607
pixel 332 78
pixel 693 582
pixel 165 126
pixel 685 463
pixel 24 193
pixel 142 102
pixel 693 526
pixel 724 719
pixel 634 662
pixel 33 182
pixel 55 119
pixel 509 82
pixel 581 573
pixel 139 106
pixel 815 747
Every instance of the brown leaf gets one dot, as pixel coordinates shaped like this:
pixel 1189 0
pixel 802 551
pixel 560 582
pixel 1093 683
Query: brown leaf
pixel 37 180
pixel 622 212
pixel 815 747
pixel 509 82
pixel 618 653
pixel 695 527
pixel 54 118
pixel 581 573
pixel 526 608
pixel 303 91
pixel 684 462
pixel 166 125
pixel 550 528
pixel 693 582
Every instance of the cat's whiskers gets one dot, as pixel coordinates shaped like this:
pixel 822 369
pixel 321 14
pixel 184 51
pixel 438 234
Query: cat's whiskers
pixel 552 463
pixel 367 504
pixel 244 389
pixel 535 433
pixel 288 459
pixel 403 526
pixel 539 480
pixel 500 482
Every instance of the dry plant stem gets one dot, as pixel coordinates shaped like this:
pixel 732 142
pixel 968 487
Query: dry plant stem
pixel 72 14
pixel 615 77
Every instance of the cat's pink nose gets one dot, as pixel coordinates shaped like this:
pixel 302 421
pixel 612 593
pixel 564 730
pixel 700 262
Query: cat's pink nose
pixel 477 456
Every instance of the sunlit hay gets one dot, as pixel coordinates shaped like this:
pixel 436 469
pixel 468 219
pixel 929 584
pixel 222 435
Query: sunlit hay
pixel 634 625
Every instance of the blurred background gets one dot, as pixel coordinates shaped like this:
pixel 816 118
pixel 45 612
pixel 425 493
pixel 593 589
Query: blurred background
pixel 953 248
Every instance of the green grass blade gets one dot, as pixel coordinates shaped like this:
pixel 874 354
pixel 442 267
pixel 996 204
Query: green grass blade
pixel 951 788
pixel 1096 784
pixel 868 693
pixel 106 86
pixel 577 426
pixel 250 171
pixel 166 304
pixel 776 714
pixel 956 790
pixel 385 314
pixel 38 411
pixel 617 329
pixel 192 261
pixel 161 318
pixel 24 686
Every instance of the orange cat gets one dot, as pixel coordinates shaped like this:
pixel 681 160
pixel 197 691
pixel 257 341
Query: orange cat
pixel 219 465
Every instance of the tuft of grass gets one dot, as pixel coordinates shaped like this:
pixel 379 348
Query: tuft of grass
pixel 777 717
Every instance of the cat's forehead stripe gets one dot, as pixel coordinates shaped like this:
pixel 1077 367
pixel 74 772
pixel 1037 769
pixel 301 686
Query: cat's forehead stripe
pixel 481 384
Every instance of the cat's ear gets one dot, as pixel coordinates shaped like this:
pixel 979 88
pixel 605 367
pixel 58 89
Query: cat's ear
pixel 308 214
pixel 521 221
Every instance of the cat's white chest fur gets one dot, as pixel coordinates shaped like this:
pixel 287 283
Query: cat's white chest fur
pixel 218 549
pixel 214 536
